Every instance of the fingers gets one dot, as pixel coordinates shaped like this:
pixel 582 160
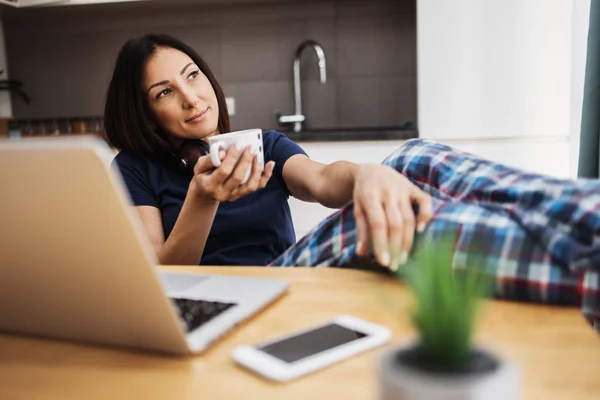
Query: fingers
pixel 390 224
pixel 266 175
pixel 396 232
pixel 258 180
pixel 362 230
pixel 254 179
pixel 225 182
pixel 240 170
pixel 425 208
pixel 226 177
pixel 223 172
pixel 203 165
pixel 408 228
pixel 377 224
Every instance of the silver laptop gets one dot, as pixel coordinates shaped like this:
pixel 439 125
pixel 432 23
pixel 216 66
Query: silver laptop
pixel 76 265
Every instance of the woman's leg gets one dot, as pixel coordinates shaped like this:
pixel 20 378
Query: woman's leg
pixel 522 269
pixel 563 216
pixel 488 205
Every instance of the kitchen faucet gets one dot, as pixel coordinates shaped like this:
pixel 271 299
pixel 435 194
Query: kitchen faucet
pixel 298 118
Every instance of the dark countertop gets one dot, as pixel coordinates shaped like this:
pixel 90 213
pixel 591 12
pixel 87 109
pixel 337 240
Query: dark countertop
pixel 351 134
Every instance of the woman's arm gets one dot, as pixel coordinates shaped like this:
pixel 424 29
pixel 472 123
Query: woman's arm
pixel 186 242
pixel 383 202
pixel 330 185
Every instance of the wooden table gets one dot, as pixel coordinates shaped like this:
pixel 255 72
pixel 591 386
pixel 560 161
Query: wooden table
pixel 556 349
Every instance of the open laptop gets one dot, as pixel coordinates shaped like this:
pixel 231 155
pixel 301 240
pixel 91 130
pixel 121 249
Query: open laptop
pixel 76 265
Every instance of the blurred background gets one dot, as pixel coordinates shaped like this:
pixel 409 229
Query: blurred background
pixel 503 79
pixel 65 54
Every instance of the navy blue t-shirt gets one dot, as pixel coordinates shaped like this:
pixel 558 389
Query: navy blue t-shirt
pixel 252 230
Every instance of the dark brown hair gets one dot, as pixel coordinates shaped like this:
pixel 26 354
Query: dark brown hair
pixel 127 118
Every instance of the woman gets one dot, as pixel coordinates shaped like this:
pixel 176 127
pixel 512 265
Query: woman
pixel 540 235
pixel 163 93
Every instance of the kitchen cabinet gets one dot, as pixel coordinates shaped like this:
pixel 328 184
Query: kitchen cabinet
pixel 41 3
pixel 26 3
pixel 59 3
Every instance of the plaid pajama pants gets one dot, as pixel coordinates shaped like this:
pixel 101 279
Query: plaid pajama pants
pixel 540 235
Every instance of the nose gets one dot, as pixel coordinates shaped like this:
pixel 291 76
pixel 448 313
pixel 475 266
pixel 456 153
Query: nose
pixel 190 99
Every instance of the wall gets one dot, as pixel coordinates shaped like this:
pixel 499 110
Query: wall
pixel 507 69
pixel 5 98
pixel 370 49
pixel 499 78
pixel 494 67
pixel 581 23
pixel 502 79
pixel 522 153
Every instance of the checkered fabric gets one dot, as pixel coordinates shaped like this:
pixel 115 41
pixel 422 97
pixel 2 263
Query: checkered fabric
pixel 539 235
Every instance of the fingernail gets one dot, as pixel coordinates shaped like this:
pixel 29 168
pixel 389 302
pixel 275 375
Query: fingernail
pixel 359 248
pixel 254 150
pixel 403 258
pixel 385 258
pixel 394 265
pixel 239 146
pixel 421 227
pixel 222 154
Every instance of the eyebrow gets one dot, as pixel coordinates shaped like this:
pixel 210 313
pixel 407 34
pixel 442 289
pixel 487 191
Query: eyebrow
pixel 186 67
pixel 157 84
pixel 165 82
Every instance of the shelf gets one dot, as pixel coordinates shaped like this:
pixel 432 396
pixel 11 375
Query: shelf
pixel 54 3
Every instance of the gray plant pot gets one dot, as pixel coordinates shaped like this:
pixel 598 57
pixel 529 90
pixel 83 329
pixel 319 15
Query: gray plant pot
pixel 487 378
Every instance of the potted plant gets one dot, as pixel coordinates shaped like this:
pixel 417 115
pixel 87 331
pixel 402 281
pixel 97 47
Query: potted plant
pixel 444 362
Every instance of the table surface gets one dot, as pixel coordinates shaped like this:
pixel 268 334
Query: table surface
pixel 555 348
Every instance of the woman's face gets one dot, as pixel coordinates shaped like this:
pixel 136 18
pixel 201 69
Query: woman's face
pixel 180 96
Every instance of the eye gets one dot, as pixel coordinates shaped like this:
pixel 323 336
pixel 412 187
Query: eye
pixel 163 93
pixel 194 74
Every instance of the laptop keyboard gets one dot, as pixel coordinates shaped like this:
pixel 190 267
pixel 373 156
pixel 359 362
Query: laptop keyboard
pixel 196 313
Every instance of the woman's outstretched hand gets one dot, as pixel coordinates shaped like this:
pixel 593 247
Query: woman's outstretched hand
pixel 224 183
pixel 383 209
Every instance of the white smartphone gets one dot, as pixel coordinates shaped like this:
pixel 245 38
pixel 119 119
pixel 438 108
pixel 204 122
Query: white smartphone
pixel 298 353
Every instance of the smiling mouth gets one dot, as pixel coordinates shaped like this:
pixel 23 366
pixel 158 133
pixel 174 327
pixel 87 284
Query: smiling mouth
pixel 197 116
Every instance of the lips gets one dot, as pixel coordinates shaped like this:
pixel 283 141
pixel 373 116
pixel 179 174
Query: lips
pixel 197 117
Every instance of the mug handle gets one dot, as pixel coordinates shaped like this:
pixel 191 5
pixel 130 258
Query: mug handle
pixel 215 148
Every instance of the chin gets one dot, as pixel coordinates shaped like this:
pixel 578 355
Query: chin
pixel 201 133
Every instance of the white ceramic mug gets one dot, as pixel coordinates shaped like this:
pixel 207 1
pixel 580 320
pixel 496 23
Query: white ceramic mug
pixel 250 137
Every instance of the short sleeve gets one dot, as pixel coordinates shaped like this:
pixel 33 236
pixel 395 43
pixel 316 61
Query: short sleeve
pixel 279 148
pixel 134 172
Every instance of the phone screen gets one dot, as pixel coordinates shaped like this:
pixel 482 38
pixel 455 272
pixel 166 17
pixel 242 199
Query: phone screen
pixel 312 342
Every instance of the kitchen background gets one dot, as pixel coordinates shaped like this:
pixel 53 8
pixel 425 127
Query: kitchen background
pixel 499 78
pixel 65 55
